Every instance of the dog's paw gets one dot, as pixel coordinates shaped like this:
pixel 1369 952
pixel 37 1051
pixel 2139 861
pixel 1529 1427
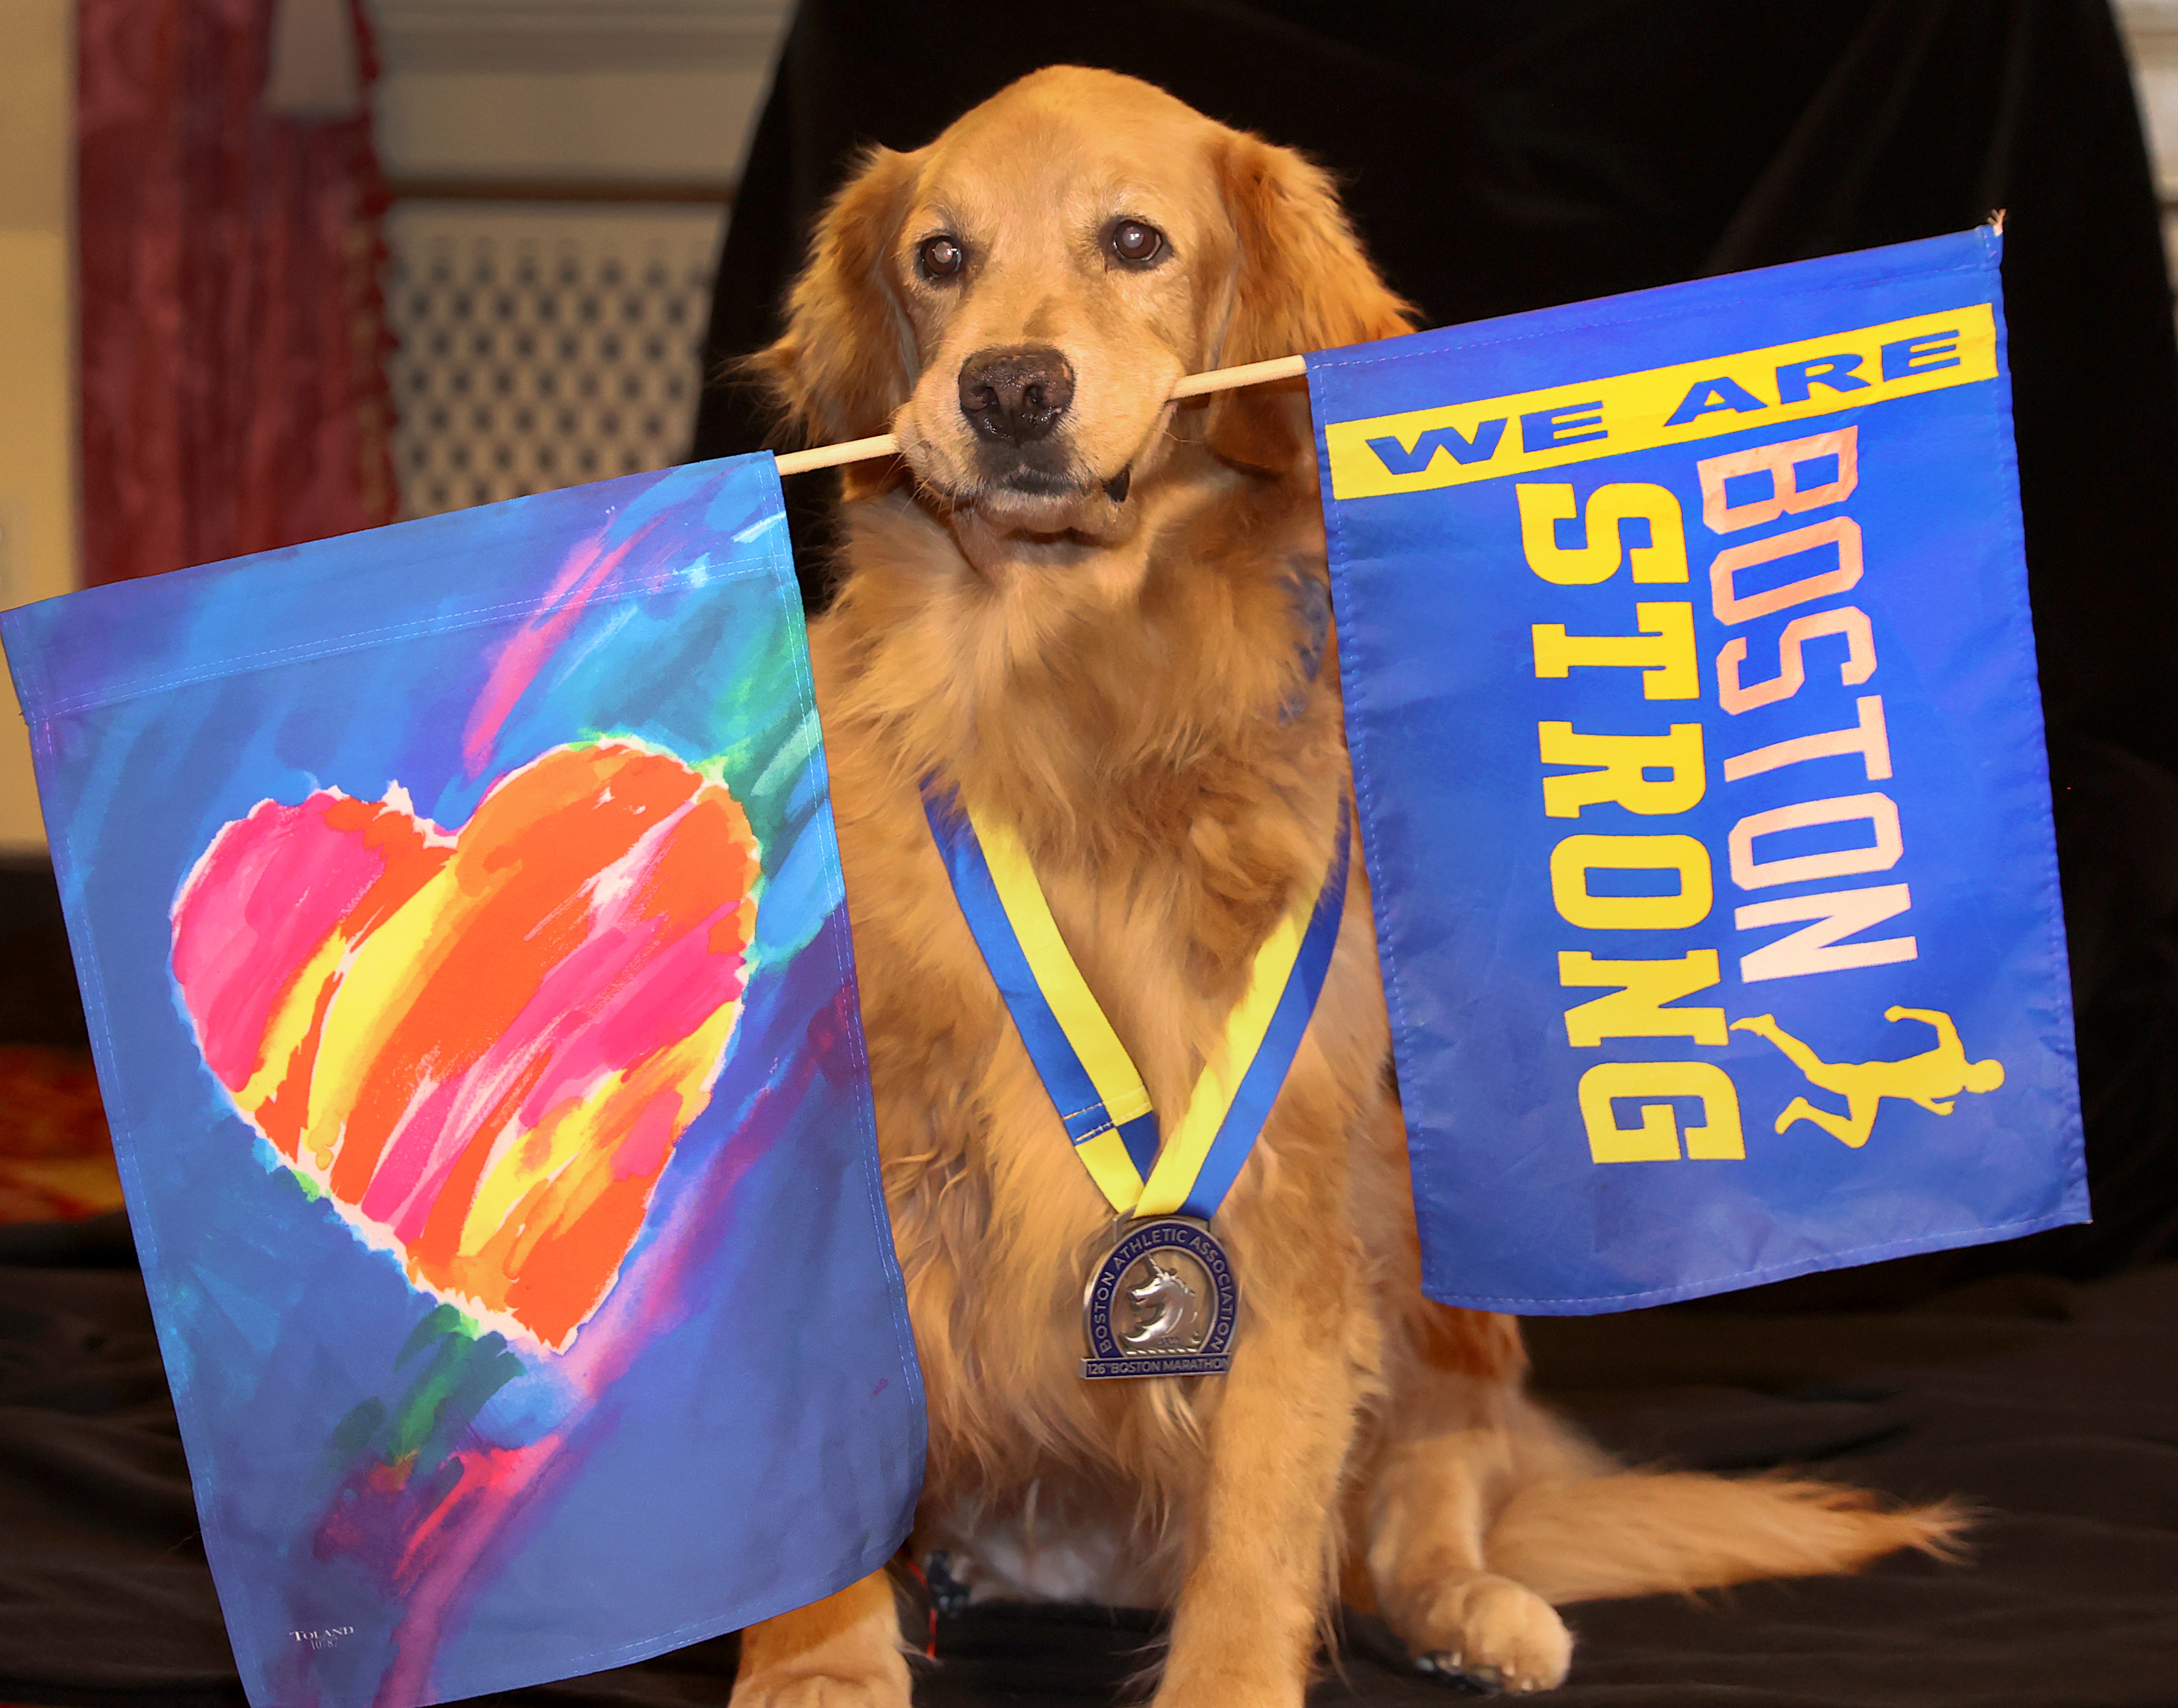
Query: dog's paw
pixel 796 1688
pixel 1492 1633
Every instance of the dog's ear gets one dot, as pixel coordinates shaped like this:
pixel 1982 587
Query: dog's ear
pixel 844 362
pixel 1301 282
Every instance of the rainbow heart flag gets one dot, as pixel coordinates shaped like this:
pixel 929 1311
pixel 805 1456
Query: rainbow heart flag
pixel 460 922
pixel 1690 689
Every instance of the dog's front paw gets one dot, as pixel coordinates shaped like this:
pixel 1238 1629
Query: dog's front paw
pixel 841 1652
pixel 798 1688
pixel 1494 1632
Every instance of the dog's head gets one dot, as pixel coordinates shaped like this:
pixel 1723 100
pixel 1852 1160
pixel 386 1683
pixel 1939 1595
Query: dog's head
pixel 1016 300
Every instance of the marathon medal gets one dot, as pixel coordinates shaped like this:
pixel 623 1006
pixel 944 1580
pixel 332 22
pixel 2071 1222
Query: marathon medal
pixel 1162 1303
pixel 1163 1300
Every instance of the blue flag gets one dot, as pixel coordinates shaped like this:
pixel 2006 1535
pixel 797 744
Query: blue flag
pixel 1690 687
pixel 460 929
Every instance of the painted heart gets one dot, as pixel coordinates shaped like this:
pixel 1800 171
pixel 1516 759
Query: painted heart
pixel 481 1045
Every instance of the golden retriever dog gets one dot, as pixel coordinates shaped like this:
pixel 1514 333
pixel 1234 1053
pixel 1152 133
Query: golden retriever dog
pixel 1099 617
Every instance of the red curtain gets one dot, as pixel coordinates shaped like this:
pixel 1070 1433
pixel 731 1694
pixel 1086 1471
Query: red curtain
pixel 233 340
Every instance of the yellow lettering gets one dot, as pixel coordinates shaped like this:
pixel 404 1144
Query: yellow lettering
pixel 1575 857
pixel 1544 506
pixel 1625 761
pixel 1663 651
pixel 1636 1009
pixel 1656 1140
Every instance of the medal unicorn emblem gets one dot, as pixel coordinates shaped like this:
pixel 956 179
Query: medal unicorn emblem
pixel 1166 1305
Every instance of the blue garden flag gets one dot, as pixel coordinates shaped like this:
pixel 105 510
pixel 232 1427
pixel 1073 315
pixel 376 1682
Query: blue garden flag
pixel 1690 687
pixel 460 929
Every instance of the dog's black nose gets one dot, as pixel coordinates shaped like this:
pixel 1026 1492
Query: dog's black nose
pixel 1016 394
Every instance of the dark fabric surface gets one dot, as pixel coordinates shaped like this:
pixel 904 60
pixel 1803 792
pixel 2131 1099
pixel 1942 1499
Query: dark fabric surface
pixel 2051 1404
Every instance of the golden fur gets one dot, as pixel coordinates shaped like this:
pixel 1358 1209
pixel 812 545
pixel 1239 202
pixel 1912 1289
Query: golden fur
pixel 1126 677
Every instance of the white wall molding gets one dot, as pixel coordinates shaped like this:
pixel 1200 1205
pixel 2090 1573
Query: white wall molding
pixel 658 91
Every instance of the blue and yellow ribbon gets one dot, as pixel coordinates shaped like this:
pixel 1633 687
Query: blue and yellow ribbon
pixel 1092 1080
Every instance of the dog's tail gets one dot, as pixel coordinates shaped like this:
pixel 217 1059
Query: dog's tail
pixel 1637 1533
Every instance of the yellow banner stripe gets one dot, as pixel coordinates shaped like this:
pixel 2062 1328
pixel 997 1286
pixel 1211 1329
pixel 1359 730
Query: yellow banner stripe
pixel 1532 431
pixel 1181 1160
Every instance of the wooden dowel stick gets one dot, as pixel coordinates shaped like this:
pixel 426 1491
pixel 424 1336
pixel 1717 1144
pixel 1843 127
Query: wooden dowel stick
pixel 1249 374
pixel 831 455
pixel 884 444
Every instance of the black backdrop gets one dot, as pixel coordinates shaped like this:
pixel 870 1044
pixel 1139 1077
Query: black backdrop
pixel 1498 157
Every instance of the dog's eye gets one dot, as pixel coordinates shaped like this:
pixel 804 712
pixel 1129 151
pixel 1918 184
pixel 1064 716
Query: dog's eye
pixel 1135 243
pixel 940 258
